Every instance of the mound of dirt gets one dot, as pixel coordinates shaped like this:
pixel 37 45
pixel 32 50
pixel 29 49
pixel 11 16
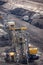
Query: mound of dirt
pixel 20 12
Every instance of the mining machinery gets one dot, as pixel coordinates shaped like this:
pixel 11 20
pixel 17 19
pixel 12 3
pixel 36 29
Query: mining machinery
pixel 18 42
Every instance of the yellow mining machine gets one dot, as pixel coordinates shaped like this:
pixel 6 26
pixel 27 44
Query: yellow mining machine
pixel 32 53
